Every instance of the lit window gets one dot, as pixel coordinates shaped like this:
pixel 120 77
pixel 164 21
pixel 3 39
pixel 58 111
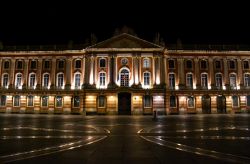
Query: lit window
pixel 46 80
pixel 245 64
pixel 16 101
pixel 171 64
pixel 18 82
pixel 102 63
pixel 146 76
pixel 76 101
pixel 190 102
pixel 247 79
pixel 232 81
pixel 45 101
pixel 189 80
pixel 60 80
pixel 147 101
pixel 204 80
pixel 101 101
pixel 32 80
pixel 2 100
pixel 218 80
pixel 172 101
pixel 59 101
pixel 5 80
pixel 235 100
pixel 146 63
pixel 102 79
pixel 124 76
pixel 30 100
pixel 171 78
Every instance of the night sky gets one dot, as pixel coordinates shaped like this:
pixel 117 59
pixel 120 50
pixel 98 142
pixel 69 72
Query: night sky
pixel 194 23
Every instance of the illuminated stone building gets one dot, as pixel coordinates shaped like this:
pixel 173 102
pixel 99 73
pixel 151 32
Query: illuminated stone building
pixel 124 75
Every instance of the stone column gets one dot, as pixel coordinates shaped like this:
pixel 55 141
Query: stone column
pixel 181 74
pixel 225 79
pixel 68 73
pixel 197 73
pixel 112 72
pixel 211 72
pixel 114 79
pixel 53 73
pixel 153 70
pixel 87 70
pixel 12 73
pixel 26 74
pixel 1 65
pixel 240 77
pixel 140 67
pixel 164 70
pixel 38 73
pixel 83 71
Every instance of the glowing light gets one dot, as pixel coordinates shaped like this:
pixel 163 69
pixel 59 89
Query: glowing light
pixel 238 87
pixel 224 87
pixel 157 80
pixel 209 87
pixel 177 87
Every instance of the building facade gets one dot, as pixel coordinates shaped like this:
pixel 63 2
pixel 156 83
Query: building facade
pixel 125 75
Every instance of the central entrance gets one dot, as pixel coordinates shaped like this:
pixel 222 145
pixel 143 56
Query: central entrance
pixel 124 103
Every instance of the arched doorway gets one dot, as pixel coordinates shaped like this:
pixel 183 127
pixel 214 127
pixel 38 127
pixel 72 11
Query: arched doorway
pixel 221 104
pixel 124 78
pixel 206 104
pixel 124 103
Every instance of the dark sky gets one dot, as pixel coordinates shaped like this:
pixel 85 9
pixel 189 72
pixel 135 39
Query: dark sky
pixel 47 23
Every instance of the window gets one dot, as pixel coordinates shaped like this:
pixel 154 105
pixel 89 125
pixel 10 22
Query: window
pixel 203 64
pixel 77 80
pixel 235 100
pixel 217 64
pixel 190 102
pixel 189 64
pixel 76 101
pixel 146 76
pixel 147 101
pixel 2 100
pixel 232 81
pixel 60 64
pixel 124 76
pixel 189 80
pixel 232 64
pixel 60 80
pixel 172 101
pixel 30 101
pixel 146 63
pixel 46 80
pixel 18 83
pixel 101 101
pixel 246 79
pixel 33 64
pixel 6 65
pixel 218 80
pixel 16 101
pixel 171 78
pixel 45 101
pixel 46 64
pixel 32 80
pixel 78 63
pixel 171 64
pixel 204 80
pixel 102 63
pixel 59 101
pixel 5 80
pixel 19 64
pixel 245 64
pixel 102 76
pixel 248 100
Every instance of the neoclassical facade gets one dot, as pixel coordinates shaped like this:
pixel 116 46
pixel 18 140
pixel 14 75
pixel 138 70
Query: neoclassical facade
pixel 125 75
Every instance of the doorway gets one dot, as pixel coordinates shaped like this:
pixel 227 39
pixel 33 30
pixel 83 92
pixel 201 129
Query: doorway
pixel 124 103
pixel 206 104
pixel 221 104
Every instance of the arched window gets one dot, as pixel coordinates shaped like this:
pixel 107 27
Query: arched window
pixel 246 79
pixel 124 78
pixel 102 79
pixel 30 101
pixel 46 80
pixel 218 80
pixel 78 63
pixel 77 80
pixel 189 80
pixel 16 101
pixel 5 82
pixel 60 80
pixel 235 101
pixel 146 77
pixel 146 63
pixel 102 63
pixel 32 80
pixel 171 78
pixel 232 80
pixel 204 80
pixel 18 81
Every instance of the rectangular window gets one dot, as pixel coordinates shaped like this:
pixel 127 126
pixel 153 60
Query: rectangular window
pixel 78 63
pixel 60 64
pixel 235 100
pixel 147 101
pixel 204 80
pixel 189 80
pixel 101 101
pixel 232 64
pixel 172 101
pixel 46 64
pixel 59 101
pixel 30 101
pixel 217 64
pixel 190 102
pixel 19 64
pixel 102 63
pixel 146 63
pixel 33 64
pixel 232 81
pixel 2 100
pixel 171 64
pixel 146 78
pixel 102 79
pixel 77 81
pixel 5 80
pixel 247 80
pixel 16 101
pixel 172 81
pixel 45 101
pixel 76 101
pixel 203 64
pixel 218 80
pixel 6 65
pixel 245 64
pixel 248 100
pixel 189 64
